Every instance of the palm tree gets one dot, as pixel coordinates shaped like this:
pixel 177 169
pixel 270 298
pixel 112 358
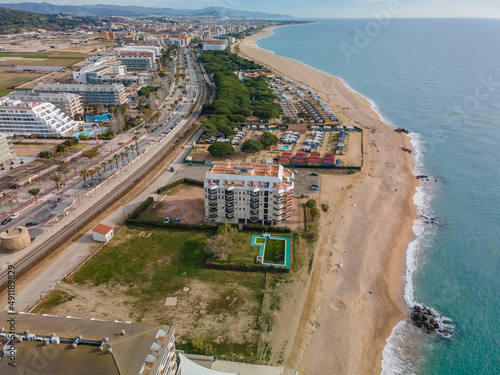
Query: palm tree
pixel 34 192
pixel 86 105
pixel 127 150
pixel 104 165
pixel 98 170
pixel 136 138
pixel 115 158
pixel 84 173
pixel 56 178
pixel 122 154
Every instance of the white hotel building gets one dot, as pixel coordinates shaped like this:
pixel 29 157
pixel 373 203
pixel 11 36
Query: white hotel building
pixel 27 118
pixel 249 193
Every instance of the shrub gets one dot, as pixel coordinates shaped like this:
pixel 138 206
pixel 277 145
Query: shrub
pixel 325 207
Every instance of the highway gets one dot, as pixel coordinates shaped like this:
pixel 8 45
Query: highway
pixel 153 147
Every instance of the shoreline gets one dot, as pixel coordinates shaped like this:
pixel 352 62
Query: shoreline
pixel 354 325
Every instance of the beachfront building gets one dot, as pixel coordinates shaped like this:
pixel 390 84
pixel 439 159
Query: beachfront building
pixel 34 118
pixel 107 94
pixel 66 345
pixel 214 45
pixel 6 153
pixel 70 104
pixel 248 193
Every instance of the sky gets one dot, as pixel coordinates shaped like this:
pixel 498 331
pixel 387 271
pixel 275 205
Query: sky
pixel 322 8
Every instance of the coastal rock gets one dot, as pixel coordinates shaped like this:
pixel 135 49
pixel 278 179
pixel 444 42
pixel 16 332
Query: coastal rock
pixel 401 130
pixel 406 150
pixel 431 321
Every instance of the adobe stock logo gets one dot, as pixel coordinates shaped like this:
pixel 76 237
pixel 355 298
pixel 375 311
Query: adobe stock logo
pixel 372 29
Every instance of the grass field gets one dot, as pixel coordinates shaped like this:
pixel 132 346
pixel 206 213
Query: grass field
pixel 152 263
pixel 149 265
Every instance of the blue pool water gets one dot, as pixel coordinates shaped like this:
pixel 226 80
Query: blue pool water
pixel 441 80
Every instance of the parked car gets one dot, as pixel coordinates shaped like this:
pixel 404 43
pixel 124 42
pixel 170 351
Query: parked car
pixel 172 169
pixel 7 220
pixel 314 188
pixel 295 171
pixel 314 174
pixel 167 220
pixel 177 221
pixel 31 224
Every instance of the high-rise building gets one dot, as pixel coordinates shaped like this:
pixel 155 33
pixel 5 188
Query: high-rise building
pixel 27 118
pixel 5 152
pixel 107 94
pixel 70 104
pixel 249 193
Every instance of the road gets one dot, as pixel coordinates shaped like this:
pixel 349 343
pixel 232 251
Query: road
pixel 114 185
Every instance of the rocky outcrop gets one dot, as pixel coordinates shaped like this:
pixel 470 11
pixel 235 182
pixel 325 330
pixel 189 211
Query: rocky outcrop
pixel 431 321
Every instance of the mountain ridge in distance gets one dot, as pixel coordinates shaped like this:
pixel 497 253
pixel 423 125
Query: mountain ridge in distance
pixel 104 10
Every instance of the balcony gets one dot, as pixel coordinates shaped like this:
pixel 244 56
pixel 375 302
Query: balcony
pixel 254 193
pixel 254 200
pixel 229 198
pixel 212 197
pixel 213 204
pixel 230 204
pixel 229 210
pixel 229 216
pixel 254 218
pixel 254 212
pixel 213 216
pixel 254 205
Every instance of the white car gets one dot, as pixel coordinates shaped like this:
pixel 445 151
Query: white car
pixel 13 216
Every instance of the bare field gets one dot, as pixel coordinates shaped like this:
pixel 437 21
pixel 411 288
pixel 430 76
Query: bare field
pixel 184 201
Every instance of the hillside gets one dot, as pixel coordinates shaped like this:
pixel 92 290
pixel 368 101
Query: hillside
pixel 12 21
pixel 105 10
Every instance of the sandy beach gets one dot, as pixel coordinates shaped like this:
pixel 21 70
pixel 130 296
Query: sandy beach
pixel 342 323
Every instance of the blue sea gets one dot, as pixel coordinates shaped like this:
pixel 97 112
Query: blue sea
pixel 439 78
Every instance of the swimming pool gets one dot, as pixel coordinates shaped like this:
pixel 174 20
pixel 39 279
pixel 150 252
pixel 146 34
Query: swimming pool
pixel 274 251
pixel 285 147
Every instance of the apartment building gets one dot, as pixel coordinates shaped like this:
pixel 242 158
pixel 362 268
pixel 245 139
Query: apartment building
pixel 214 45
pixel 70 104
pixel 136 61
pixel 34 118
pixel 66 345
pixel 249 193
pixel 107 94
pixel 99 73
pixel 5 152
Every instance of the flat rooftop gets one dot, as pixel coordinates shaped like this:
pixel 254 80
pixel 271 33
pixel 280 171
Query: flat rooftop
pixel 129 351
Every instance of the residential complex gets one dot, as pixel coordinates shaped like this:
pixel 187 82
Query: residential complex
pixel 214 44
pixel 5 153
pixel 107 94
pixel 137 58
pixel 100 72
pixel 49 344
pixel 70 104
pixel 27 118
pixel 252 193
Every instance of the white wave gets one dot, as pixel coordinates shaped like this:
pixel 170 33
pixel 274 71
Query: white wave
pixel 400 356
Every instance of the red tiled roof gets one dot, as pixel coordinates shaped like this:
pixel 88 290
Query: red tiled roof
pixel 102 229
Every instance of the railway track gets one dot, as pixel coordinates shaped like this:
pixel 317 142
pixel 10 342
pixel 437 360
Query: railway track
pixel 66 233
